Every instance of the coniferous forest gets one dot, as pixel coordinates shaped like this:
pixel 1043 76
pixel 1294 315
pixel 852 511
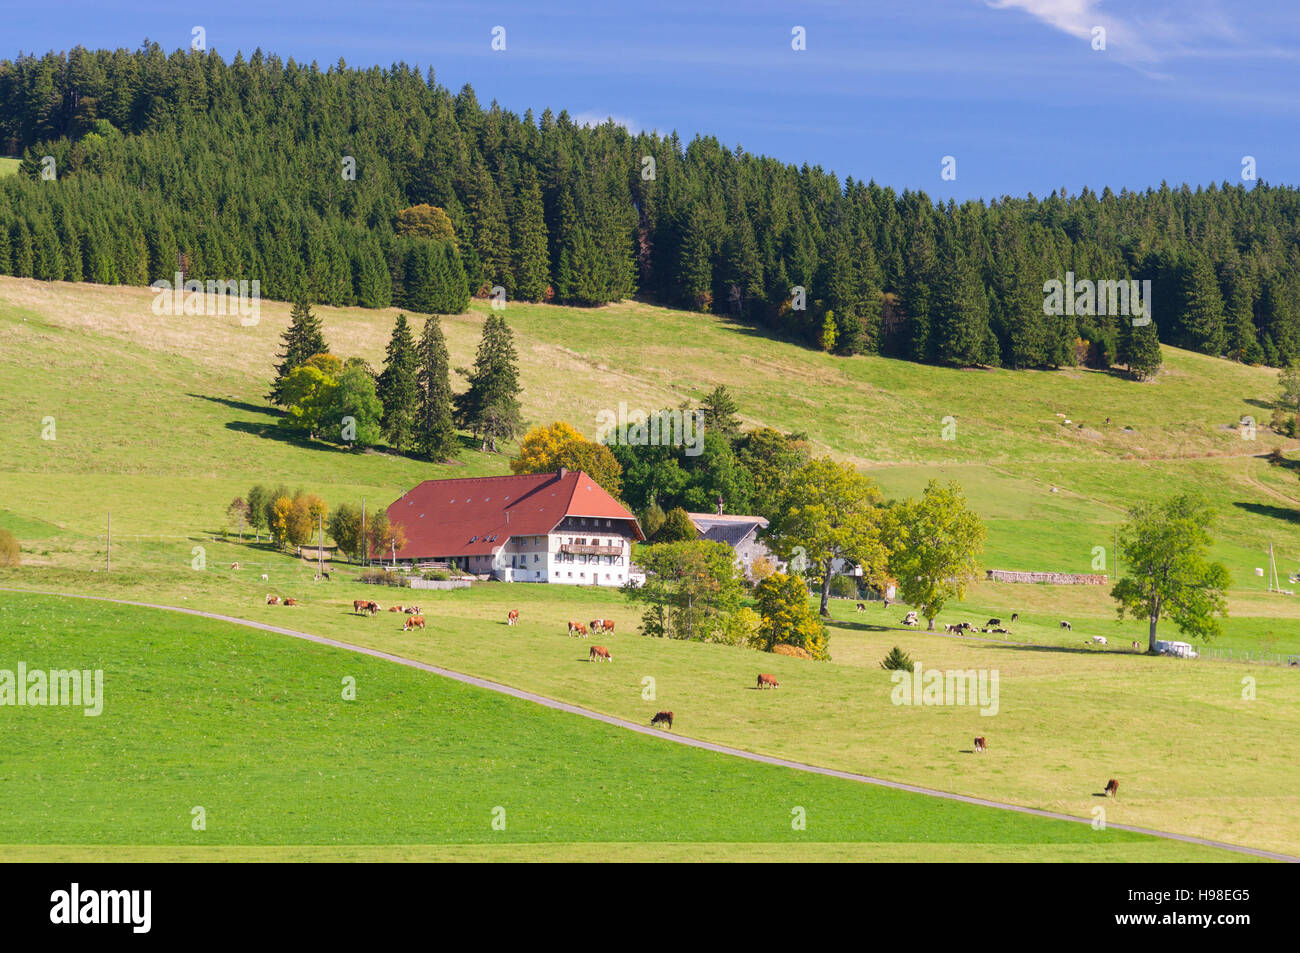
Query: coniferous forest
pixel 305 179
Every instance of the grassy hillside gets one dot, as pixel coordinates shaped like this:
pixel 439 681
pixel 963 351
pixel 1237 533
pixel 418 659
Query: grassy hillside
pixel 254 729
pixel 9 166
pixel 162 419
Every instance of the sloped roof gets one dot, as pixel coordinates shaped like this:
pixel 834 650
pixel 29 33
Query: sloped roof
pixel 478 515
pixel 725 527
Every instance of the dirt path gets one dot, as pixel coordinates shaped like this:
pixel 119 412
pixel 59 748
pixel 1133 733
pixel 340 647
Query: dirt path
pixel 667 736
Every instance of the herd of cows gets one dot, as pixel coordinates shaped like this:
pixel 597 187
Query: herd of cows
pixel 600 653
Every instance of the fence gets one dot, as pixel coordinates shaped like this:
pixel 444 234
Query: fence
pixel 1055 578
pixel 440 583
pixel 1243 655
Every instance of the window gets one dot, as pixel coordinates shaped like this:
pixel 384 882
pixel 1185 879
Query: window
pixel 536 558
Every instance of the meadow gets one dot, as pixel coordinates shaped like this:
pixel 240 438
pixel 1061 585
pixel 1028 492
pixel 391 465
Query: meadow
pixel 161 420
pixel 255 730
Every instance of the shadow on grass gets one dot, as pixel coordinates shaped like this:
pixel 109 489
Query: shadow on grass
pixel 1284 513
pixel 243 405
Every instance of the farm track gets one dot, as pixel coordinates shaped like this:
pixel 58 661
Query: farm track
pixel 668 736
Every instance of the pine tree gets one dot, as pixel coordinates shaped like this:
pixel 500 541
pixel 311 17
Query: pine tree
pixel 434 428
pixel 301 340
pixel 961 318
pixel 489 408
pixel 529 254
pixel 1139 348
pixel 1203 319
pixel 398 387
pixel 491 235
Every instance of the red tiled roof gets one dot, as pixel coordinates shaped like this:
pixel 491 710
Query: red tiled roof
pixel 478 515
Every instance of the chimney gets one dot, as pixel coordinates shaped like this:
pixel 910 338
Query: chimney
pixel 563 472
pixel 719 504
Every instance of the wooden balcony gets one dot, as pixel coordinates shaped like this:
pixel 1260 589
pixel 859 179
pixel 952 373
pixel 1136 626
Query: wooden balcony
pixel 588 550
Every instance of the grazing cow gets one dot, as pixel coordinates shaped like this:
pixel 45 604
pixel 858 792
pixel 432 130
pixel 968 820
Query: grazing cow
pixel 609 626
pixel 272 600
pixel 981 745
pixel 599 653
pixel 947 627
pixel 910 618
pixel 1015 616
pixel 373 607
pixel 862 607
pixel 1112 788
pixel 512 617
pixel 359 606
pixel 1136 646
pixel 993 622
pixel 767 681
pixel 664 716
pixel 265 578
pixel 414 622
pixel 1100 640
pixel 597 625
pixel 234 565
pixel 1066 625
pixel 886 603
pixel 290 602
pixel 579 630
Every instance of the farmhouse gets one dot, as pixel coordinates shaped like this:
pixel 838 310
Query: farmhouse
pixel 738 532
pixel 536 527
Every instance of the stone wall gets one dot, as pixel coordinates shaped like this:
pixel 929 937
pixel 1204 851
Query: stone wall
pixel 1054 578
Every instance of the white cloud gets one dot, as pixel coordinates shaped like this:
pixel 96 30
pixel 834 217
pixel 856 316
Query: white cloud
pixel 593 118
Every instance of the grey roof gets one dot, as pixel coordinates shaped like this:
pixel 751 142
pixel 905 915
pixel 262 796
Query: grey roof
pixel 733 534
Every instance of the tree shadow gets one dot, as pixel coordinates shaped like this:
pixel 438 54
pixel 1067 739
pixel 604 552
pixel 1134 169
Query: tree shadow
pixel 291 437
pixel 1261 404
pixel 1284 513
pixel 244 405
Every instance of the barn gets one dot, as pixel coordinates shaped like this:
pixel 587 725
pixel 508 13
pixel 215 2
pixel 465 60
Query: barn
pixel 534 527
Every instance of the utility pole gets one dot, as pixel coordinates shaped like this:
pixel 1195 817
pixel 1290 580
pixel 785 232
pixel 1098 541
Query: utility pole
pixel 1117 554
pixel 108 556
pixel 365 537
pixel 320 545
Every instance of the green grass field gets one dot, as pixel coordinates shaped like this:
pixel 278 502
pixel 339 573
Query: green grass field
pixel 9 166
pixel 161 420
pixel 253 728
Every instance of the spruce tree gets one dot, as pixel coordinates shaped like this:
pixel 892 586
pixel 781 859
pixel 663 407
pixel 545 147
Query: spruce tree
pixel 434 427
pixel 301 340
pixel 1203 319
pixel 399 386
pixel 1139 348
pixel 489 408
pixel 529 253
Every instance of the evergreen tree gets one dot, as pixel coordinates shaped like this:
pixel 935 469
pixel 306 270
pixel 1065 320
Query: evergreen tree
pixel 1139 349
pixel 301 340
pixel 489 408
pixel 1203 319
pixel 434 427
pixel 399 389
pixel 529 241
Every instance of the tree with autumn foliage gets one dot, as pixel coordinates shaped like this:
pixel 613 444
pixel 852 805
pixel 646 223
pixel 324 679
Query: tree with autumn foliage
pixel 546 449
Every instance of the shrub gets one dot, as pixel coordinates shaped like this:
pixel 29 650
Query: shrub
pixel 845 587
pixel 791 650
pixel 383 577
pixel 897 660
pixel 437 575
pixel 9 553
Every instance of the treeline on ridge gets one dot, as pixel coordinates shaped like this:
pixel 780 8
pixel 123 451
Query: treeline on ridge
pixel 236 170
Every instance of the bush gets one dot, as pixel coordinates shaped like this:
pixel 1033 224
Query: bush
pixel 9 553
pixel 791 650
pixel 897 660
pixel 437 575
pixel 383 577
pixel 845 587
pixel 739 628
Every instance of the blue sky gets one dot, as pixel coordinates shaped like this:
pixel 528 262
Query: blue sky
pixel 1012 89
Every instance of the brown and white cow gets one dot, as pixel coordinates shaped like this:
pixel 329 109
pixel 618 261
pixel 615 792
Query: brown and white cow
pixel 665 717
pixel 981 745
pixel 272 600
pixel 599 653
pixel 395 609
pixel 597 625
pixel 1112 788
pixel 577 628
pixel 862 607
pixel 767 681
pixel 234 565
pixel 413 622
pixel 359 606
pixel 412 610
pixel 290 601
pixel 609 626
pixel 512 617
pixel 373 607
